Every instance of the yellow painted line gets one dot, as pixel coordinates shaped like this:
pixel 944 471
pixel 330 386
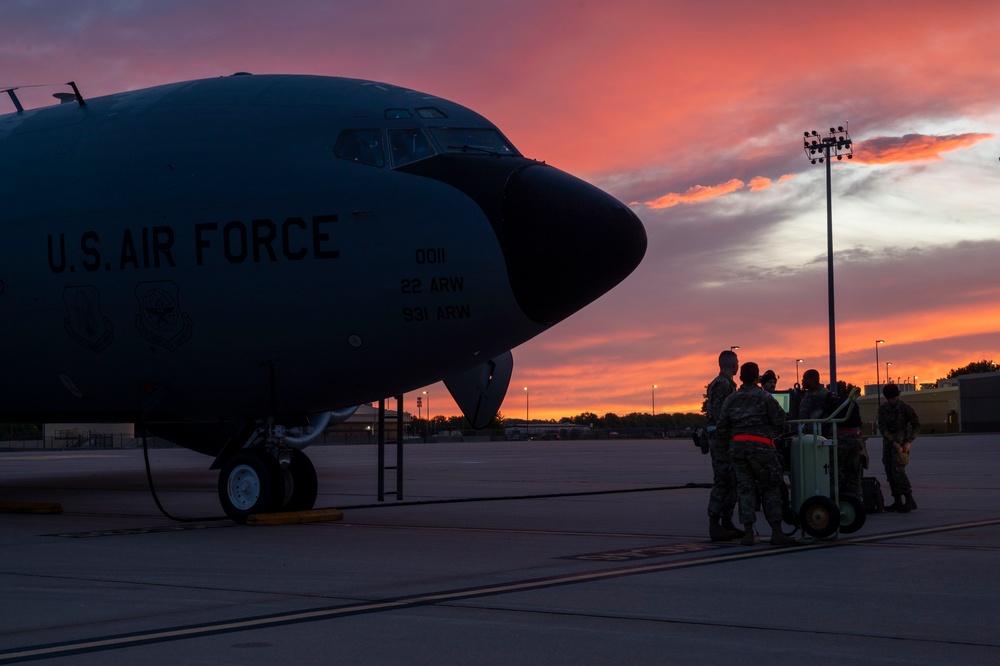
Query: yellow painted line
pixel 295 517
pixel 30 507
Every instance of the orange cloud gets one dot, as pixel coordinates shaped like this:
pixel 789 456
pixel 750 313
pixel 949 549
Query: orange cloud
pixel 700 193
pixel 913 147
pixel 696 194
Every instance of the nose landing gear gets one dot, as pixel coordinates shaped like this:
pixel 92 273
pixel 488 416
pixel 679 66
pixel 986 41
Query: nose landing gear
pixel 259 480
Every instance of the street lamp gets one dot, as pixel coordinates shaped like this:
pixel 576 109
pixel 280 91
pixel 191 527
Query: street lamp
pixel 916 386
pixel 822 148
pixel 887 364
pixel 734 348
pixel 797 361
pixel 878 381
pixel 526 409
pixel 652 394
pixel 428 412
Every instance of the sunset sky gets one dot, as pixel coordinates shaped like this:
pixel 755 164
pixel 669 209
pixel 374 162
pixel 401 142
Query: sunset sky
pixel 692 113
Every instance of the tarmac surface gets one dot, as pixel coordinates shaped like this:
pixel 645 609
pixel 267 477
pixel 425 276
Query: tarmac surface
pixel 555 552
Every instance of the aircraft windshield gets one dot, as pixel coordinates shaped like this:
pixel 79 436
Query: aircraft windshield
pixel 409 145
pixel 488 141
pixel 360 145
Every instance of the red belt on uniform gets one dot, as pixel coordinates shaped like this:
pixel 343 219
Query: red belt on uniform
pixel 753 438
pixel 850 431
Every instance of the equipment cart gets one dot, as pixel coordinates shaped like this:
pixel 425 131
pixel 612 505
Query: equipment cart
pixel 816 505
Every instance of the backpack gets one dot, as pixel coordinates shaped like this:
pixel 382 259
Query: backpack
pixel 872 491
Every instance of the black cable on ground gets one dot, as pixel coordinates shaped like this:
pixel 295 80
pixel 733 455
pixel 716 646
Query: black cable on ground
pixel 152 489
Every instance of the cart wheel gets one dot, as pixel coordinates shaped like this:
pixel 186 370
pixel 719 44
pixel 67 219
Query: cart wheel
pixel 820 516
pixel 852 513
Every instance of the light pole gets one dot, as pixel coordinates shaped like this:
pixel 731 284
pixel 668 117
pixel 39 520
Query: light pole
pixel 652 396
pixel 822 148
pixel 734 348
pixel 916 386
pixel 878 381
pixel 526 409
pixel 797 361
pixel 428 412
pixel 887 364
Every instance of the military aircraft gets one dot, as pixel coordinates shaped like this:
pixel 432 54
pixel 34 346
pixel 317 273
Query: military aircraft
pixel 236 263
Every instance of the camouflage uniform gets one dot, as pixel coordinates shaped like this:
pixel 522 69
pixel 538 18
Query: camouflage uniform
pixel 849 448
pixel 818 404
pixel 753 411
pixel 723 497
pixel 898 424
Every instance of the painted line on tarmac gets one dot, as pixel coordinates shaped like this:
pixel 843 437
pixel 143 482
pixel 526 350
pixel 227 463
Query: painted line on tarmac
pixel 328 613
pixel 139 530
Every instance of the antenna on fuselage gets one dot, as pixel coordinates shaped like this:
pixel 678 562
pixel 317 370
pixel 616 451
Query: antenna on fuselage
pixel 75 96
pixel 76 93
pixel 13 98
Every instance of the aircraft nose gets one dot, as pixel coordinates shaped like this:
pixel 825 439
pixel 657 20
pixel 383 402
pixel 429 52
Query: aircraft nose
pixel 565 241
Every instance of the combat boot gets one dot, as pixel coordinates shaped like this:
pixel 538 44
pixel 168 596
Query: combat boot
pixel 779 538
pixel 897 503
pixel 910 504
pixel 727 523
pixel 748 539
pixel 716 532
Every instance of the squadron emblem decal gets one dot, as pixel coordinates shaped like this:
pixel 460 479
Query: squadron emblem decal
pixel 86 324
pixel 160 319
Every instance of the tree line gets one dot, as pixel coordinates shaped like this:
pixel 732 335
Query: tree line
pixel 676 421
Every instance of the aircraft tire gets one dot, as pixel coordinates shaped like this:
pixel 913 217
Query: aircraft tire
pixel 820 516
pixel 852 513
pixel 301 486
pixel 250 482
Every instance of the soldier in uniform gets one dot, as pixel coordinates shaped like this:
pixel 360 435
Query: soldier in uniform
pixel 850 446
pixel 769 381
pixel 749 419
pixel 722 500
pixel 898 423
pixel 818 401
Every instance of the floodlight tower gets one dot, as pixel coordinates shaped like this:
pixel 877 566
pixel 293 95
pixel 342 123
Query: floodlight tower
pixel 838 144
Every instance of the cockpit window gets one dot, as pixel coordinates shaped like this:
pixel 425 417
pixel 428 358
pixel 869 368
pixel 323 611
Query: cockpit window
pixel 360 145
pixel 488 141
pixel 396 114
pixel 409 145
pixel 430 112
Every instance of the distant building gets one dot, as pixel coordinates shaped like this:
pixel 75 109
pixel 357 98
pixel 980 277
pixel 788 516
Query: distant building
pixel 979 397
pixel 968 403
pixel 362 426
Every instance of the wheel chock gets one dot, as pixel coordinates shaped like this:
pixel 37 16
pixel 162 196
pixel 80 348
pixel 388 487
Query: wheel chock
pixel 30 507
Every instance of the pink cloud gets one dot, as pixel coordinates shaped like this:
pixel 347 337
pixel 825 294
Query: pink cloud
pixel 760 183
